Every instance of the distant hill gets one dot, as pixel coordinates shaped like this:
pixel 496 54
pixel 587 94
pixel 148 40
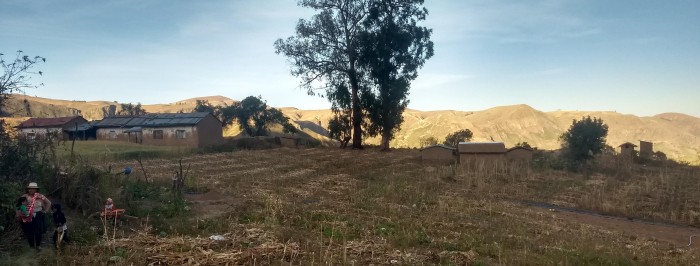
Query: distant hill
pixel 27 106
pixel 677 135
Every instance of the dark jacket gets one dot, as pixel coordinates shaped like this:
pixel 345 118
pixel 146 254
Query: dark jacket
pixel 59 218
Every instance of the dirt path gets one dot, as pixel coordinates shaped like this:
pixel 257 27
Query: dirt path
pixel 678 236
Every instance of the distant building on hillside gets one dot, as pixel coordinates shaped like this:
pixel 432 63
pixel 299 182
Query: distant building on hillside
pixel 438 153
pixel 627 149
pixel 50 127
pixel 164 129
pixel 646 149
pixel 481 151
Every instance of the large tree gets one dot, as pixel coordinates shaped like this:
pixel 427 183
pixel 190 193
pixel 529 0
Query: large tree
pixel 584 139
pixel 394 47
pixel 253 115
pixel 325 51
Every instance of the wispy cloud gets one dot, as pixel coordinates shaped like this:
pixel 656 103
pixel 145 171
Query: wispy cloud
pixel 537 21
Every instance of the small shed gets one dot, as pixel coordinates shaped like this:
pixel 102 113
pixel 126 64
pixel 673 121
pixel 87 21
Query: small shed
pixel 646 149
pixel 287 141
pixel 482 151
pixel 438 153
pixel 627 148
pixel 519 153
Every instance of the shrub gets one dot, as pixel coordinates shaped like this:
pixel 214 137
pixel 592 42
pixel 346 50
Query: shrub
pixel 584 139
pixel 454 138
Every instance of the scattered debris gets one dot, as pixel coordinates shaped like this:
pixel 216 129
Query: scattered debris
pixel 217 238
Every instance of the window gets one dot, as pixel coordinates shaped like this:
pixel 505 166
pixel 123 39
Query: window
pixel 31 135
pixel 157 134
pixel 180 134
pixel 112 134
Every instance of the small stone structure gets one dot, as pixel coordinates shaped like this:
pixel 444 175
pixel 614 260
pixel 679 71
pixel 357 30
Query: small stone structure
pixel 646 149
pixel 481 151
pixel 627 149
pixel 437 153
pixel 519 153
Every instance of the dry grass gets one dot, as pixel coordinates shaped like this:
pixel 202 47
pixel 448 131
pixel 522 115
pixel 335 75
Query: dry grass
pixel 330 206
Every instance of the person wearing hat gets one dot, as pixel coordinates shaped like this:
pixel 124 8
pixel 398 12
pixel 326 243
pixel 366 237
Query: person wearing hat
pixel 38 204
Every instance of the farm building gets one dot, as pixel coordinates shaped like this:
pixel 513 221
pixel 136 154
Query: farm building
pixel 481 151
pixel 627 149
pixel 519 153
pixel 177 129
pixel 437 153
pixel 287 141
pixel 43 127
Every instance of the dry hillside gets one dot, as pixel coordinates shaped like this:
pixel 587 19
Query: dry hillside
pixel 677 135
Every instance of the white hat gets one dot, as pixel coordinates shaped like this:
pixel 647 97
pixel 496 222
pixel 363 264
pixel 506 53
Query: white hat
pixel 33 185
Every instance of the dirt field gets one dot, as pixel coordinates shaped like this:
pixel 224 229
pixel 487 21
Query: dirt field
pixel 331 206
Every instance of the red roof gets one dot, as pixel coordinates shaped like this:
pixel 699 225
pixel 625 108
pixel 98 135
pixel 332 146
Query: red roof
pixel 46 122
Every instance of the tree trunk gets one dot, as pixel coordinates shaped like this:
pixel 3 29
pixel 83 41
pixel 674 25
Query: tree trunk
pixel 385 142
pixel 356 113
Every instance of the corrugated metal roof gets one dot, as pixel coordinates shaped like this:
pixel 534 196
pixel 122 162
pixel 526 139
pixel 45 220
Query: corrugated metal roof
pixel 81 127
pixel 46 122
pixel 154 120
pixel 134 129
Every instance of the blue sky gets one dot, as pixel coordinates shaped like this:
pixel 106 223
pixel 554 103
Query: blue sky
pixel 637 57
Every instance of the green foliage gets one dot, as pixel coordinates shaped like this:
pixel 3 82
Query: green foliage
pixel 205 106
pixel 325 54
pixel 16 77
pixel 131 109
pixel 253 115
pixel 427 141
pixel 454 138
pixel 21 160
pixel 660 156
pixel 364 54
pixel 523 145
pixel 339 128
pixel 394 47
pixel 584 139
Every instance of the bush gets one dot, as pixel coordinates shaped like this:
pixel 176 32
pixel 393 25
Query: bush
pixel 428 141
pixel 584 139
pixel 454 138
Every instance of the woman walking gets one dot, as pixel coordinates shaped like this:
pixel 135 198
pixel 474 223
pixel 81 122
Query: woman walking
pixel 35 227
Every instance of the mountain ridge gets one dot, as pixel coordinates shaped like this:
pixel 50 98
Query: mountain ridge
pixel 676 134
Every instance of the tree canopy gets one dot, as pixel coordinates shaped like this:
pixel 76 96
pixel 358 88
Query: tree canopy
pixel 131 109
pixel 453 139
pixel 363 54
pixel 324 53
pixel 394 47
pixel 17 75
pixel 584 139
pixel 252 114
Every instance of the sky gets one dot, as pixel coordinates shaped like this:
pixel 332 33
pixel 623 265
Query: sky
pixel 637 57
